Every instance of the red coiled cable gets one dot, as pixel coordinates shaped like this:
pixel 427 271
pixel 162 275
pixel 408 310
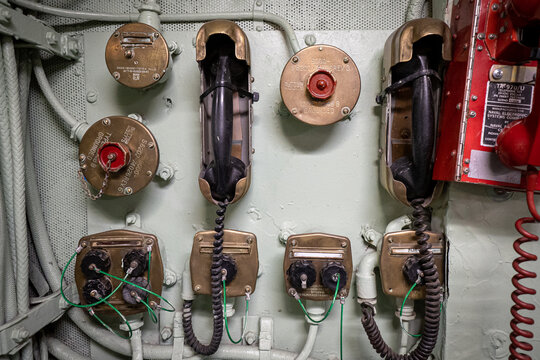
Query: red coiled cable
pixel 520 345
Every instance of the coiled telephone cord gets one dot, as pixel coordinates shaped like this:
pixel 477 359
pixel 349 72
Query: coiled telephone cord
pixel 421 224
pixel 521 289
pixel 217 305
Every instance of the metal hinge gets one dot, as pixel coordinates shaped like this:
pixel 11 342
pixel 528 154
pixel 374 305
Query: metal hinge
pixel 36 33
pixel 15 334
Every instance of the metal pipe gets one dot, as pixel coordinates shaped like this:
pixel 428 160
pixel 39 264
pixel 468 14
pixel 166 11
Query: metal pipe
pixel 78 128
pixel 415 9
pixel 171 18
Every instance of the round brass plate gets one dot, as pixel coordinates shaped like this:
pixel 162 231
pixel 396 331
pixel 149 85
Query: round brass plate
pixel 137 55
pixel 142 146
pixel 294 82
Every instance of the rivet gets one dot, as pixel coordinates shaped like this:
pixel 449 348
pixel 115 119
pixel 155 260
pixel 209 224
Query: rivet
pixel 495 7
pixel 320 48
pixel 480 48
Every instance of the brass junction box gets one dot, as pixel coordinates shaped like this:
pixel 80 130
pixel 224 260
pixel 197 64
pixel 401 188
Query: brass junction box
pixel 314 253
pixel 240 250
pixel 116 244
pixel 397 247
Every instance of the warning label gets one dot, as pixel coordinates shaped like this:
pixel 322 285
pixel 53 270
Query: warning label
pixel 505 102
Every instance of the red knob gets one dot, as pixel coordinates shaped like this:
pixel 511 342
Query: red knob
pixel 115 154
pixel 321 85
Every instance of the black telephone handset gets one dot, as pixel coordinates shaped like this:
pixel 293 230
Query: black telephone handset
pixel 415 171
pixel 225 171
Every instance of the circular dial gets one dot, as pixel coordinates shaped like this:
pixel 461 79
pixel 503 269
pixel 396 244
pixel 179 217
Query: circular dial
pixel 95 259
pixel 302 274
pixel 329 276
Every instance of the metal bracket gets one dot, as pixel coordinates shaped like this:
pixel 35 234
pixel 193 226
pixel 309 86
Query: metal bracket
pixel 258 5
pixel 31 30
pixel 266 337
pixel 15 334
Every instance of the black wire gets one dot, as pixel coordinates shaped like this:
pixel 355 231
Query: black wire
pixel 421 224
pixel 217 305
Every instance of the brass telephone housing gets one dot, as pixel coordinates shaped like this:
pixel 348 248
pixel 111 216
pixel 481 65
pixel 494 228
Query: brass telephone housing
pixel 240 246
pixel 242 107
pixel 397 247
pixel 320 250
pixel 396 129
pixel 117 243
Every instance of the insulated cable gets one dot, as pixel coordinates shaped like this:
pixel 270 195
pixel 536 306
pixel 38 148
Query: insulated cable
pixel 421 224
pixel 297 297
pixel 225 315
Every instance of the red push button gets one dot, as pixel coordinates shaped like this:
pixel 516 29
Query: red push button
pixel 321 85
pixel 117 154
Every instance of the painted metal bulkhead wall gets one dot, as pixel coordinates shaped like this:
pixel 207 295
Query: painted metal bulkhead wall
pixel 304 179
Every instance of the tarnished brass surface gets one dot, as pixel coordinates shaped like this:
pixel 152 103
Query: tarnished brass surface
pixel 225 27
pixel 391 265
pixel 242 105
pixel 399 46
pixel 396 132
pixel 297 72
pixel 337 248
pixel 137 55
pixel 117 243
pixel 241 246
pixel 141 143
pixel 242 187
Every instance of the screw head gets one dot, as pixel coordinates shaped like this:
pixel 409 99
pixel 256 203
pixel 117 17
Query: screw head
pixel 148 173
pixel 481 36
pixel 294 110
pixel 344 244
pixel 151 145
pixel 293 242
pixel 156 77
pixel 91 96
pixel 197 287
pixel 345 60
pixel 249 240
pixel 128 191
pixel 106 121
pixel 492 36
pixel 472 114
pixel 295 59
pixel 474 98
pixel 480 48
pixel 82 158
pixel 466 170
pixel 345 110
pixel 116 75
pixel 497 74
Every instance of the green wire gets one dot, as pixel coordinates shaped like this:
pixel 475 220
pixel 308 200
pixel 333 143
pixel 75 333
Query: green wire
pixel 403 305
pixel 341 332
pixel 91 312
pixel 401 311
pixel 142 288
pixel 86 305
pixel 151 312
pixel 225 316
pixel 329 309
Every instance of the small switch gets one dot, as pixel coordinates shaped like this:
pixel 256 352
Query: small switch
pixel 302 274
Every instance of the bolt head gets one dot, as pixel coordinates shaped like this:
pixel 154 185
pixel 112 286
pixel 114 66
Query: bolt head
pixel 497 74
